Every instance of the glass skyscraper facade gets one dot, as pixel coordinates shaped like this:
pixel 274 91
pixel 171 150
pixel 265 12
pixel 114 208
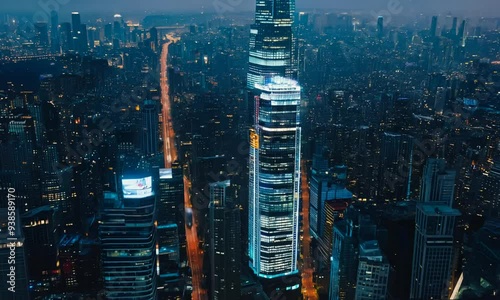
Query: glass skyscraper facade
pixel 275 179
pixel 127 232
pixel 271 42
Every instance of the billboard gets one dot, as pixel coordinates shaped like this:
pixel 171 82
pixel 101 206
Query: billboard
pixel 165 173
pixel 137 187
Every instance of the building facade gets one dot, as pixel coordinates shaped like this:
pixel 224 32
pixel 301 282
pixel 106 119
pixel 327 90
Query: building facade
pixel 433 250
pixel 127 233
pixel 275 179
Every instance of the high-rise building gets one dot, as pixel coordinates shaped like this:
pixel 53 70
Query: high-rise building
pixel 68 257
pixel 373 272
pixel 490 189
pixel 329 198
pixel 271 41
pixel 434 26
pixel 433 250
pixel 225 231
pixel 380 27
pixel 274 175
pixel 14 284
pixel 171 243
pixel 42 34
pixel 54 31
pixel 396 166
pixel 482 262
pixel 127 233
pixel 438 183
pixel 344 261
pixel 149 112
pixel 76 25
pixel 40 227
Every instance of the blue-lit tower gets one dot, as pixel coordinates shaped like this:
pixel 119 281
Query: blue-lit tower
pixel 274 177
pixel 271 42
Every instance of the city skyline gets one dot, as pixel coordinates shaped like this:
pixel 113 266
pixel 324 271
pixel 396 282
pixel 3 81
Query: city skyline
pixel 408 7
pixel 303 153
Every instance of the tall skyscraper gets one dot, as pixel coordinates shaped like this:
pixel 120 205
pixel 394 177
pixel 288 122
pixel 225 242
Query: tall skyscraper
pixel 275 179
pixel 344 261
pixel 380 27
pixel 271 41
pixel 54 31
pixel 42 34
pixel 433 250
pixel 373 272
pixel 438 184
pixel 76 23
pixel 127 233
pixel 490 189
pixel 225 230
pixel 434 26
pixel 149 111
pixel 396 166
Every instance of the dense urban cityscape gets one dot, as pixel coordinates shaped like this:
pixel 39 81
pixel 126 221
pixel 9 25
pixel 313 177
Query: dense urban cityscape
pixel 287 152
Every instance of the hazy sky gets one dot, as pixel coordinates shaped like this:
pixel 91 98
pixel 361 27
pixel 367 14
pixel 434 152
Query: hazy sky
pixel 469 7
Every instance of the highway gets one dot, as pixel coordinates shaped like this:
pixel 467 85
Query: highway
pixel 195 255
pixel 307 269
pixel 170 152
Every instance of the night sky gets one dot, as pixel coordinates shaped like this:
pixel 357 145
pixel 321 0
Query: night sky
pixel 465 7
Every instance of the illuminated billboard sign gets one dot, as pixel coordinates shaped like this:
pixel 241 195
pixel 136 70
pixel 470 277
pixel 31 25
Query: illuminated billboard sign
pixel 137 187
pixel 165 173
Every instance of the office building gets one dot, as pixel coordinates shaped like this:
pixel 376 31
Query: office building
pixel 434 26
pixel 271 41
pixel 54 31
pixel 275 180
pixel 396 166
pixel 373 272
pixel 380 27
pixel 329 198
pixel 433 251
pixel 344 260
pixel 438 183
pixel 150 129
pixel 490 188
pixel 225 243
pixel 127 234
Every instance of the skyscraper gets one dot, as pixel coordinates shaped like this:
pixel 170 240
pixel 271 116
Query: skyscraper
pixel 76 25
pixel 434 26
pixel 438 184
pixel 490 189
pixel 275 179
pixel 149 127
pixel 433 250
pixel 54 31
pixel 225 244
pixel 373 272
pixel 396 166
pixel 127 233
pixel 380 27
pixel 271 41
